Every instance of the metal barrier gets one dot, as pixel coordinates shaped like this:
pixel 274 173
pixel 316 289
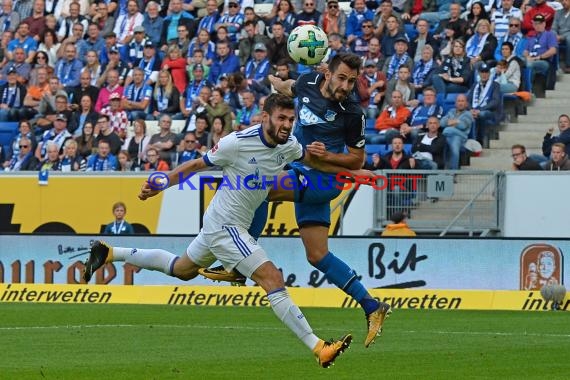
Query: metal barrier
pixel 442 202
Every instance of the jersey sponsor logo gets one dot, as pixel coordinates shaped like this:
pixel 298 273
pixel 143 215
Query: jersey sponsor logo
pixel 306 100
pixel 330 115
pixel 360 144
pixel 252 161
pixel 307 117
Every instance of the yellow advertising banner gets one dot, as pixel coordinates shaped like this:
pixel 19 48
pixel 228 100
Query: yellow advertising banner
pixel 255 296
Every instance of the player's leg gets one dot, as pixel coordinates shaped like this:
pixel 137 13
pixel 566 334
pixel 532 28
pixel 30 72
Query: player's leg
pixel 314 222
pixel 160 260
pixel 236 249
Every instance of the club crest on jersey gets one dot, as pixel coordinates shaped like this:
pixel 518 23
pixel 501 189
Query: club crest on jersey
pixel 330 115
pixel 280 159
pixel 307 117
pixel 252 161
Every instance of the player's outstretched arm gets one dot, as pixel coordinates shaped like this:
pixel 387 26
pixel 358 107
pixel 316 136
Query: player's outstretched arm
pixel 150 189
pixel 353 160
pixel 281 86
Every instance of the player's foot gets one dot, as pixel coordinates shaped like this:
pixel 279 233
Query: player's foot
pixel 220 274
pixel 374 322
pixel 97 257
pixel 327 352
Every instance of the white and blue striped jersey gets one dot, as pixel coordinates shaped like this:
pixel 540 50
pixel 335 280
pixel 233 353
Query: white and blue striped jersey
pixel 250 169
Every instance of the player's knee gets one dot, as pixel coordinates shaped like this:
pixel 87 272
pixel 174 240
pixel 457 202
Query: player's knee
pixel 185 269
pixel 315 256
pixel 186 275
pixel 268 277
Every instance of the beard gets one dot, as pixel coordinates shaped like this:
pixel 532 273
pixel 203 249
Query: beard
pixel 338 94
pixel 273 132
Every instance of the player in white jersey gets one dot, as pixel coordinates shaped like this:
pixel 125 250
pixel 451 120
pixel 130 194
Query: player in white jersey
pixel 256 154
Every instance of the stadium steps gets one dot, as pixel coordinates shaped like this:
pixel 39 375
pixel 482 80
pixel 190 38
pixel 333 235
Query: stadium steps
pixel 529 129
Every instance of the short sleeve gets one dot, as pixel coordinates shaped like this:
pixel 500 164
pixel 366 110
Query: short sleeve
pixel 224 153
pixel 354 136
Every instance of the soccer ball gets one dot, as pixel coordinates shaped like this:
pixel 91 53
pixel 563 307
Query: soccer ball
pixel 308 44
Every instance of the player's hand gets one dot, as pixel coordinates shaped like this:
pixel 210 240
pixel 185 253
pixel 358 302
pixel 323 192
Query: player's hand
pixel 317 149
pixel 147 192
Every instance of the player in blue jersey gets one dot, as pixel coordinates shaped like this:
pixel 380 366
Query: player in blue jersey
pixel 327 112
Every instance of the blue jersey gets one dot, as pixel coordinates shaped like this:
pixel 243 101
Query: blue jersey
pixel 318 119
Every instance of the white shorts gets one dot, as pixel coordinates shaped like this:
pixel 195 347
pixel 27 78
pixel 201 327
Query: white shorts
pixel 233 246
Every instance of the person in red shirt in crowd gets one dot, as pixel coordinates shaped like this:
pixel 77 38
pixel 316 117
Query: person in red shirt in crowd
pixel 389 122
pixel 177 67
pixel 540 7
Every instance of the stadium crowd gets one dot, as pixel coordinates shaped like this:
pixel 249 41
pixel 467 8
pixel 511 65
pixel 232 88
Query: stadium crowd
pixel 83 79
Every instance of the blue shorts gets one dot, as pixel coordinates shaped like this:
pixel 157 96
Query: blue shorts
pixel 313 192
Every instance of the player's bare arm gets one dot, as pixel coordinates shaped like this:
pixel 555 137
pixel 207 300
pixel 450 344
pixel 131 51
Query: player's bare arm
pixel 352 160
pixel 150 190
pixel 281 86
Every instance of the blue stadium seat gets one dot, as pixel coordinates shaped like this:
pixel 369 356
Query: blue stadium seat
pixel 370 126
pixel 8 130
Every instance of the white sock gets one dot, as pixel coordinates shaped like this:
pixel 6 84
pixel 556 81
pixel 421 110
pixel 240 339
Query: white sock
pixel 290 314
pixel 152 259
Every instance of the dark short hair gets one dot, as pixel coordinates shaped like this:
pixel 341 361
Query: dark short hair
pixel 509 44
pixel 398 217
pixel 519 146
pixel 103 116
pixel 274 101
pixel 353 61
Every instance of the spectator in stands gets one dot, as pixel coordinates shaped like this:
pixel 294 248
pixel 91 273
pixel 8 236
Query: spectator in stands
pixel 508 70
pixel 19 65
pixel 35 93
pixel 384 11
pixel 110 47
pixel 561 27
pixel 360 44
pixel 120 225
pixel 117 116
pixel 247 44
pixel 165 97
pixel 93 66
pixel 23 40
pixel 190 99
pixel 540 8
pixel 37 20
pixel 12 101
pixel 420 113
pixel 177 16
pixel 248 110
pixel 136 46
pixel 48 46
pixel 49 106
pixel 371 86
pixel 24 160
pixel 103 160
pixel 41 61
pixel 6 38
pixel 218 131
pixel 85 88
pixel 540 49
pixel 86 141
pixel 521 161
pixel 125 164
pixel 154 162
pixel 284 12
pixel 93 42
pixel 424 69
pixel 232 20
pixel 216 107
pixel 428 149
pixel 413 10
pixel 9 20
pixel 400 58
pixel 481 46
pixel 277 46
pixel 456 125
pixel 455 72
pixel 68 68
pixel 203 43
pixel 153 22
pixel 111 88
pixel 211 18
pixel 423 39
pixel 223 36
pixel 515 37
pixel 68 30
pixel 57 135
pixel 484 99
pixel 256 71
pixel 309 15
pixel 81 116
pixel 476 14
pixel 549 139
pixel 197 58
pixel 333 19
pixel 71 161
pixel 250 15
pixel 502 17
pixel 201 132
pixel 226 62
pixel 559 159
pixel 389 122
pixel 401 81
pixel 106 133
pixel 373 53
pixel 136 145
pixel 165 140
pixel 115 63
pixel 51 161
pixel 182 41
pixel 389 37
pixel 398 227
pixel 398 158
pixel 176 65
pixel 137 96
pixel 188 148
pixel 150 63
pixel 356 20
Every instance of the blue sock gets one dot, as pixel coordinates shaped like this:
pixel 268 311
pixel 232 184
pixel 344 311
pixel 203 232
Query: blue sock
pixel 345 278
pixel 259 220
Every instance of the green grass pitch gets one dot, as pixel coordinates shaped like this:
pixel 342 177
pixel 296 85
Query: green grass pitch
pixel 46 341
